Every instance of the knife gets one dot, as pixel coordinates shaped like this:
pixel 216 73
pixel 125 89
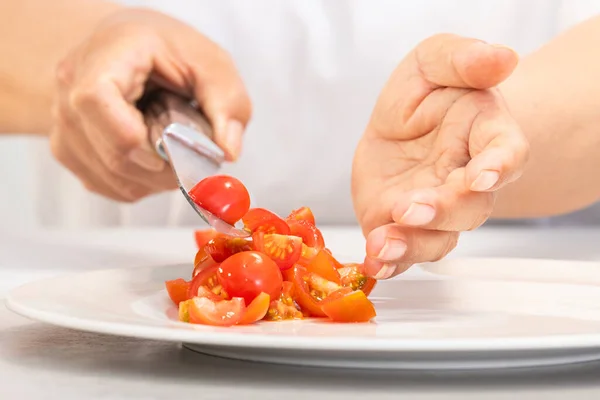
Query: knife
pixel 183 137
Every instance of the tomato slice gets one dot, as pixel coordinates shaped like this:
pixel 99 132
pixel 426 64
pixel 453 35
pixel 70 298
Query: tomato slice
pixel 178 290
pixel 310 234
pixel 256 310
pixel 310 289
pixel 224 196
pixel 261 220
pixel 203 310
pixel 222 247
pixel 302 214
pixel 352 276
pixel 325 265
pixel 202 236
pixel 206 278
pixel 348 307
pixel 283 249
pixel 202 261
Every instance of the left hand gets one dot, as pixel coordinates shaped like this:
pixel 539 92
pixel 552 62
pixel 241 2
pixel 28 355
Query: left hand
pixel 439 144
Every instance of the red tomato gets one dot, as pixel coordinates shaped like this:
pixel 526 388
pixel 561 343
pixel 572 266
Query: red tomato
pixel 310 290
pixel 206 278
pixel 256 310
pixel 348 307
pixel 202 236
pixel 178 290
pixel 310 234
pixel 324 265
pixel 284 308
pixel 307 254
pixel 353 277
pixel 249 273
pixel 224 196
pixel 205 311
pixel 261 220
pixel 302 214
pixel 222 247
pixel 284 250
pixel 202 261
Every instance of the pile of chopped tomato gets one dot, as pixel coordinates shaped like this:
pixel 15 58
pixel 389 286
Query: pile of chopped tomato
pixel 282 271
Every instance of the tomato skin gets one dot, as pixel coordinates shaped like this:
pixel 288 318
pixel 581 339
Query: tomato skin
pixel 249 273
pixel 222 195
pixel 203 236
pixel 205 278
pixel 283 249
pixel 325 265
pixel 202 261
pixel 203 310
pixel 310 234
pixel 302 214
pixel 262 220
pixel 177 290
pixel 256 310
pixel 222 247
pixel 348 307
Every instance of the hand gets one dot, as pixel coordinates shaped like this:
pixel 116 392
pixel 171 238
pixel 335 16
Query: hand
pixel 98 133
pixel 439 144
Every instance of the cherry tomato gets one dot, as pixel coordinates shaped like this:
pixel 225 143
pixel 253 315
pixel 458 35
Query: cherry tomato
pixel 348 307
pixel 249 273
pixel 352 276
pixel 203 310
pixel 207 278
pixel 202 236
pixel 325 265
pixel 284 250
pixel 302 214
pixel 178 290
pixel 222 247
pixel 256 310
pixel 307 254
pixel 202 261
pixel 310 290
pixel 261 220
pixel 310 234
pixel 284 307
pixel 224 196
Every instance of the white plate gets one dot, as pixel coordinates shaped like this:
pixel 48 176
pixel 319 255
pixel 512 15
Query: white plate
pixel 458 313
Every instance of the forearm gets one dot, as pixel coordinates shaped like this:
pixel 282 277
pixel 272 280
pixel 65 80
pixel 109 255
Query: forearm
pixel 36 34
pixel 555 96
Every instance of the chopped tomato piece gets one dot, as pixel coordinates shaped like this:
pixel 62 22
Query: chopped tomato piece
pixel 352 276
pixel 348 307
pixel 325 265
pixel 207 278
pixel 178 290
pixel 224 196
pixel 283 249
pixel 202 236
pixel 256 310
pixel 205 311
pixel 202 261
pixel 288 275
pixel 222 247
pixel 285 307
pixel 249 273
pixel 184 311
pixel 310 234
pixel 261 220
pixel 310 289
pixel 302 214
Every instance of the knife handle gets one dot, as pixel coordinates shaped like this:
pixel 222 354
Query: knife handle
pixel 161 108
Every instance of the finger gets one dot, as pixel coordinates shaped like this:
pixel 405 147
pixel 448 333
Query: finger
pixel 449 207
pixel 392 249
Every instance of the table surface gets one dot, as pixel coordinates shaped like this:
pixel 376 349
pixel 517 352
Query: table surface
pixel 47 362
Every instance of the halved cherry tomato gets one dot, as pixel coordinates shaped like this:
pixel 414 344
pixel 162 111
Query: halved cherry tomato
pixel 202 236
pixel 261 220
pixel 348 307
pixel 256 310
pixel 178 290
pixel 302 214
pixel 325 265
pixel 222 247
pixel 310 234
pixel 352 276
pixel 283 249
pixel 224 196
pixel 249 273
pixel 288 275
pixel 203 310
pixel 307 254
pixel 284 308
pixel 206 278
pixel 202 261
pixel 310 290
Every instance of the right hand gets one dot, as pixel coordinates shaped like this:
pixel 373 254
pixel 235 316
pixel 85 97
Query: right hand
pixel 97 131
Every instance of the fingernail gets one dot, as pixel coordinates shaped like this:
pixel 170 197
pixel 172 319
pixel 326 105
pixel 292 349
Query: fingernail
pixel 147 160
pixel 418 214
pixel 385 272
pixel 485 181
pixel 393 249
pixel 233 138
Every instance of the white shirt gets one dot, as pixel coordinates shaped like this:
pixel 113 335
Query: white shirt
pixel 313 69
